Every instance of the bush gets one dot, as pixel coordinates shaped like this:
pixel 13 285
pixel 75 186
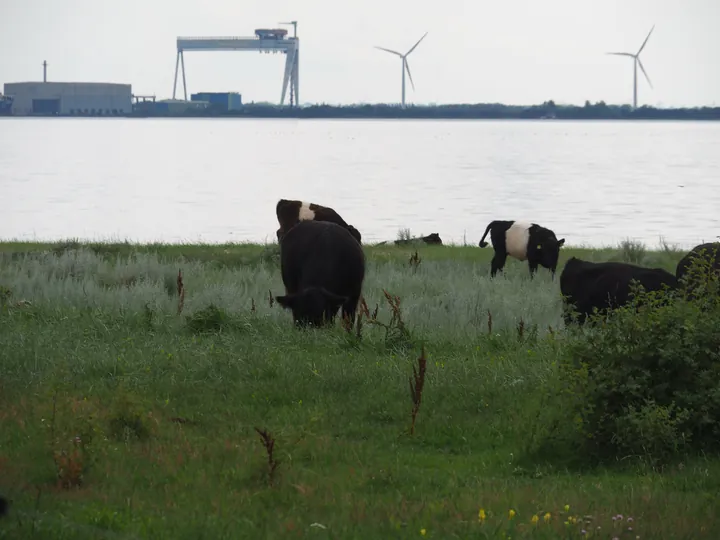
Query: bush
pixel 645 383
pixel 632 252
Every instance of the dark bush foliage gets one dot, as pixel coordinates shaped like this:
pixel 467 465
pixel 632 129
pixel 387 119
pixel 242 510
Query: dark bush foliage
pixel 644 383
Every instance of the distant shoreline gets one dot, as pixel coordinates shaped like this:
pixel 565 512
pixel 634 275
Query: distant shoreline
pixel 545 111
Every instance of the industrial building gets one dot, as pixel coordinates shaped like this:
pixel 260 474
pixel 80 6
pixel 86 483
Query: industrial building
pixel 70 98
pixel 221 101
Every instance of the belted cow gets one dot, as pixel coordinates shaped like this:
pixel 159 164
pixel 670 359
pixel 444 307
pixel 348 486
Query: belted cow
pixel 523 241
pixel 322 268
pixel 291 212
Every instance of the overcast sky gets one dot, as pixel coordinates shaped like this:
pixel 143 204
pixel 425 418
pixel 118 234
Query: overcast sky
pixel 511 51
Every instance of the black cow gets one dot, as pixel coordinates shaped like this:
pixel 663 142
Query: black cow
pixel 606 285
pixel 523 241
pixel 431 239
pixel 709 252
pixel 322 268
pixel 290 213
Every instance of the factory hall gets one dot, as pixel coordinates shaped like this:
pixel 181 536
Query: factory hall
pixel 69 98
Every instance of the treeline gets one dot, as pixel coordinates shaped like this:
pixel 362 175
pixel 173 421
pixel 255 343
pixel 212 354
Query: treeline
pixel 547 110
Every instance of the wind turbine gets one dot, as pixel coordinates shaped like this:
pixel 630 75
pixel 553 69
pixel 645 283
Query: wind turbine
pixel 405 66
pixel 636 63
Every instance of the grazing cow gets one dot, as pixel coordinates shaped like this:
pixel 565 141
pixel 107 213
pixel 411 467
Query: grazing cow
pixel 290 213
pixel 432 239
pixel 523 241
pixel 322 268
pixel 606 285
pixel 710 252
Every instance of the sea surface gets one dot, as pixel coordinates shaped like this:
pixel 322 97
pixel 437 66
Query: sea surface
pixel 218 180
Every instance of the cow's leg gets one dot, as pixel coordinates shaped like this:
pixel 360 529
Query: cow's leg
pixel 498 262
pixel 349 309
pixel 533 268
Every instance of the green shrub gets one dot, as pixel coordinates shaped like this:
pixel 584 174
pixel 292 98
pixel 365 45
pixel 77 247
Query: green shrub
pixel 632 252
pixel 210 319
pixel 645 383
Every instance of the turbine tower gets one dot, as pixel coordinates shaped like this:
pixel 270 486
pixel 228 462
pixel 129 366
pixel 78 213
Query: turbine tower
pixel 636 63
pixel 404 66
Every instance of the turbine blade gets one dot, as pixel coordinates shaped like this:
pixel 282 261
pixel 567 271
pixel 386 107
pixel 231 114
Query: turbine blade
pixel 646 39
pixel 622 54
pixel 644 72
pixel 407 68
pixel 418 43
pixel 388 50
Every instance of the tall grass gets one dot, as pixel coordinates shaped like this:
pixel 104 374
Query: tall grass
pixel 120 417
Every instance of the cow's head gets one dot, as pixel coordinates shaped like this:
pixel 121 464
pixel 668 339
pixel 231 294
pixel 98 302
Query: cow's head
pixel 547 249
pixel 314 306
pixel 355 233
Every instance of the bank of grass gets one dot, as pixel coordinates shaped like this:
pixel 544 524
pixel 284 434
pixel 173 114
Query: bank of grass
pixel 121 418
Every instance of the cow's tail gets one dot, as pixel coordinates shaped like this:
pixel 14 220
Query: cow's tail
pixel 483 243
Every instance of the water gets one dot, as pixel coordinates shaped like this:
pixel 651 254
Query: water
pixel 218 180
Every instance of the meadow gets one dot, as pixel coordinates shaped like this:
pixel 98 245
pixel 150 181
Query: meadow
pixel 133 406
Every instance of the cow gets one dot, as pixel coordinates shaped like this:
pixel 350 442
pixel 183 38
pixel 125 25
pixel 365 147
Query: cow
pixel 290 213
pixel 322 268
pixel 606 285
pixel 709 252
pixel 523 241
pixel 430 239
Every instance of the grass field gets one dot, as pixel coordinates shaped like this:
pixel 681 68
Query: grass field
pixel 122 418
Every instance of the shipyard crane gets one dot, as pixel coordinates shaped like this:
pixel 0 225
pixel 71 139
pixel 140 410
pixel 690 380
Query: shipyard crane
pixel 265 40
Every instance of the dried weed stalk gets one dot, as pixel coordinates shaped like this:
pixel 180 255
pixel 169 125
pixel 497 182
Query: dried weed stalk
pixel 70 466
pixel 271 300
pixel 396 326
pixel 252 305
pixel 416 390
pixel 415 261
pixel 521 329
pixel 181 292
pixel 358 327
pixel 489 322
pixel 269 443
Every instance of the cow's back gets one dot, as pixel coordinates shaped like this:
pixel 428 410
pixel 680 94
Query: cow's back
pixel 709 250
pixel 590 285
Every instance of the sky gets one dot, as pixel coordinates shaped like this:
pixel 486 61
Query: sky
pixel 518 52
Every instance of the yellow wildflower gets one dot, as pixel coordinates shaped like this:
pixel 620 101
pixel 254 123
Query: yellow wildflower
pixel 546 517
pixel 481 515
pixel 534 519
pixel 567 507
pixel 422 532
pixel 511 514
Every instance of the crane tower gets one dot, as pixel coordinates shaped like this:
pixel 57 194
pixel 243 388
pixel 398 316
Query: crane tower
pixel 266 40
